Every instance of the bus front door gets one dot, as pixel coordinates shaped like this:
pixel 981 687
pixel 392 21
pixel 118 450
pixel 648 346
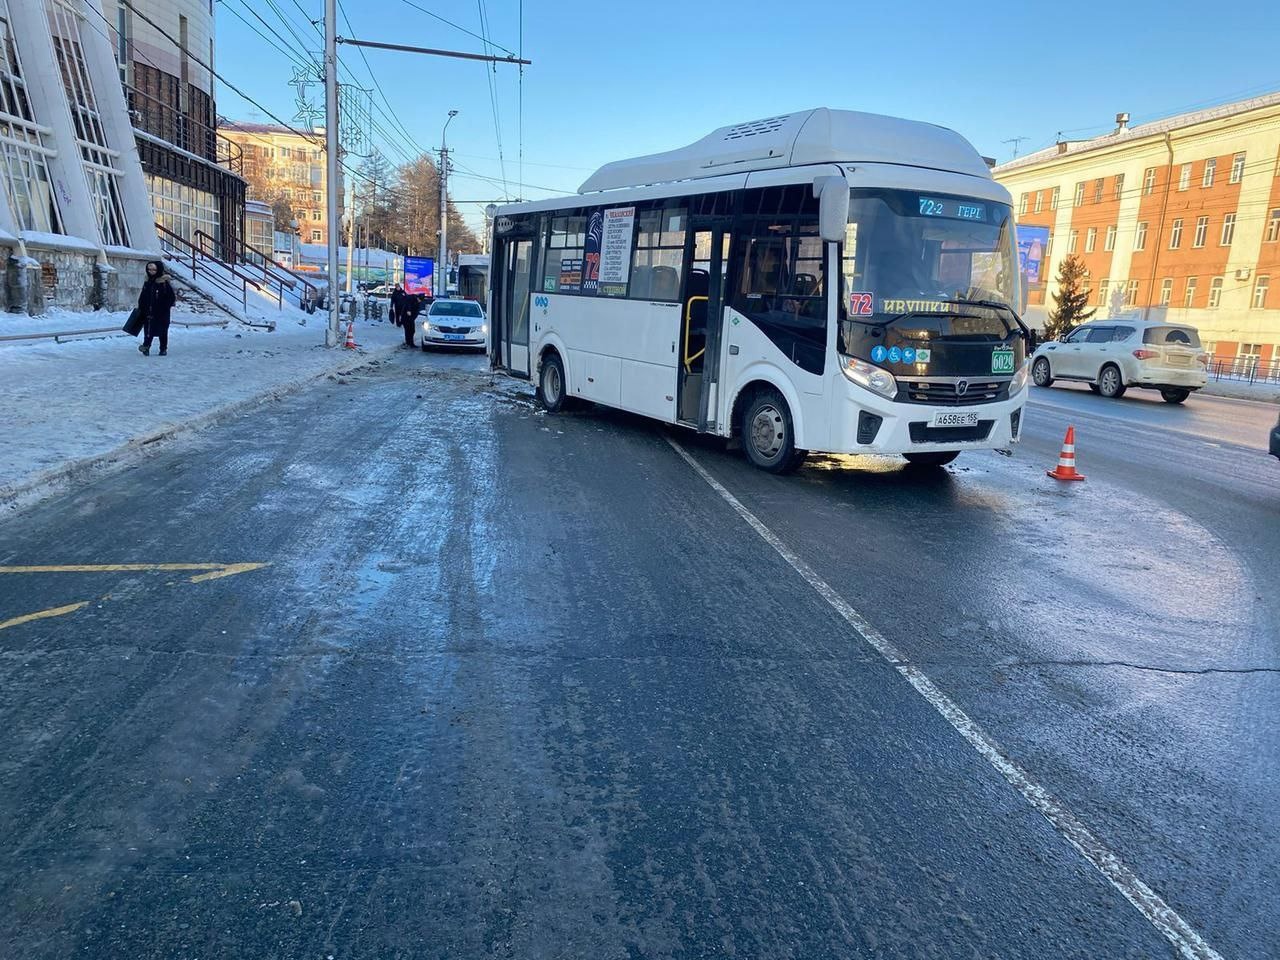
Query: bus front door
pixel 702 313
pixel 512 299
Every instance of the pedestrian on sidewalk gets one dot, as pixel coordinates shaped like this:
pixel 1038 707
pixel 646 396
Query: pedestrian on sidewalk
pixel 155 303
pixel 397 304
pixel 409 317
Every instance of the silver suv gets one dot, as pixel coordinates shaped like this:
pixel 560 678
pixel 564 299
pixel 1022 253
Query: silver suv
pixel 1113 355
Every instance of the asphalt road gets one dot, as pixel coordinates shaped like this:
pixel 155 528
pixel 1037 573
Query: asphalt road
pixel 512 685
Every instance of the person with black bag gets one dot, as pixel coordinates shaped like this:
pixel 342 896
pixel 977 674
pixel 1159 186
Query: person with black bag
pixel 397 304
pixel 155 303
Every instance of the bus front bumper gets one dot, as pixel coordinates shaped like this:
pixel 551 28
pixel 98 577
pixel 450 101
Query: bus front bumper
pixel 872 424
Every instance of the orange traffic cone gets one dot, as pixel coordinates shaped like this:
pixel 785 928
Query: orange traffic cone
pixel 1067 459
pixel 351 335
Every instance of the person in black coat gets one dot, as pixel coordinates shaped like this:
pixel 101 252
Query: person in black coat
pixel 397 304
pixel 409 316
pixel 154 305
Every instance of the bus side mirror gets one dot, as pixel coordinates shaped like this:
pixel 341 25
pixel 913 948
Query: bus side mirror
pixel 833 207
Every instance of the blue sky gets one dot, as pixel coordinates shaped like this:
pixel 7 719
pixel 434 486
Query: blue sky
pixel 614 79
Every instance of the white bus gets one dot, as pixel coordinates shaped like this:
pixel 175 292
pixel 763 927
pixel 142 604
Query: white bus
pixel 821 281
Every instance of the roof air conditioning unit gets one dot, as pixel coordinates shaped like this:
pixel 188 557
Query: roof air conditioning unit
pixel 1243 273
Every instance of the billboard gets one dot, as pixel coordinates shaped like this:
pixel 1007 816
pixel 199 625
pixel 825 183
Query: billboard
pixel 1032 243
pixel 419 275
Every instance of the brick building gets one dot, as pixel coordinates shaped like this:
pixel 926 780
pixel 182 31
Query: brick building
pixel 1181 216
pixel 281 164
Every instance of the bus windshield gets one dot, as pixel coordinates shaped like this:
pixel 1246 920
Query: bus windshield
pixel 908 252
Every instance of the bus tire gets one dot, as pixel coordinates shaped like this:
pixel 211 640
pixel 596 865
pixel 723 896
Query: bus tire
pixel 551 383
pixel 931 459
pixel 768 436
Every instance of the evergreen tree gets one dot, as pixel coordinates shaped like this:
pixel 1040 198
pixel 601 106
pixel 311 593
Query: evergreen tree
pixel 1071 302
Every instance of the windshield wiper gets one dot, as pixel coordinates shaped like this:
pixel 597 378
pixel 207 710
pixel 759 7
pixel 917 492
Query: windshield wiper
pixel 996 305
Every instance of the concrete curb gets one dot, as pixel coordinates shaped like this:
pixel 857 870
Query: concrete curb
pixel 24 493
pixel 1237 390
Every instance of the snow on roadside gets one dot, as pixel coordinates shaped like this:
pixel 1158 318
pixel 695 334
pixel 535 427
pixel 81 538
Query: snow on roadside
pixel 85 398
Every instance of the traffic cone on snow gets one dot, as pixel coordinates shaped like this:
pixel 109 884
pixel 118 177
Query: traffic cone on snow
pixel 1067 459
pixel 351 335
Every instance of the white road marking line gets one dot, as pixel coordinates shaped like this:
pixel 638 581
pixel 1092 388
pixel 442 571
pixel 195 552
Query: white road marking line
pixel 1164 918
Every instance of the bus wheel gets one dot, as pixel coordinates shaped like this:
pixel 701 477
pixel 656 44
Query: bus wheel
pixel 767 434
pixel 551 383
pixel 931 459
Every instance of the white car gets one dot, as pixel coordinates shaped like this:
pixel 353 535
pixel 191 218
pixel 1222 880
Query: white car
pixel 1113 355
pixel 455 323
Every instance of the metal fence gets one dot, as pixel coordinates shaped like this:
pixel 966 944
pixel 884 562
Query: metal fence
pixel 1246 369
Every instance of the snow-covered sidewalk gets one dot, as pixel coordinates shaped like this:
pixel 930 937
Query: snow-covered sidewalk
pixel 68 405
pixel 1241 390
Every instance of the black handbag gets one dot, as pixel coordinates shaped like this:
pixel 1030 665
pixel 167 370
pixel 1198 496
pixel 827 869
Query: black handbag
pixel 133 326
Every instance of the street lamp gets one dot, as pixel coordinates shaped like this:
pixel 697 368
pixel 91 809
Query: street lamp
pixel 442 263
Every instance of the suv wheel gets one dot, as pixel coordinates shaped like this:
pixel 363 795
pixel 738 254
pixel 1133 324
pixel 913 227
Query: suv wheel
pixel 1110 382
pixel 1040 372
pixel 1175 395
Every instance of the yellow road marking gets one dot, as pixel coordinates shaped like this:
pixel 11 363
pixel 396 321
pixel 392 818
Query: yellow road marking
pixel 213 571
pixel 44 614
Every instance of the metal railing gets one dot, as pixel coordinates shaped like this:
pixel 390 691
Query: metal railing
pixel 168 123
pixel 252 261
pixel 58 336
pixel 1245 369
pixel 221 274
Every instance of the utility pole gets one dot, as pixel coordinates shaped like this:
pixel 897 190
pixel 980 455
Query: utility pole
pixel 351 232
pixel 442 264
pixel 332 169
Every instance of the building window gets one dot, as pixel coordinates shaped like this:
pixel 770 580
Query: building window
pixel 1039 200
pixel 1103 289
pixel 1140 237
pixel 1048 248
pixel 1080 194
pixel 1189 295
pixel 1148 181
pixel 1166 291
pixel 1184 177
pixel 1210 168
pixel 1228 229
pixel 287 193
pixel 1022 204
pixel 316 197
pixel 184 210
pixel 1215 291
pixel 1119 185
pixel 23 151
pixel 1175 235
pixel 1090 239
pixel 1202 231
pixel 1097 189
pixel 315 236
pixel 1110 242
pixel 1131 293
pixel 1247 357
pixel 1273 226
pixel 315 214
pixel 1053 198
pixel 1237 168
pixel 285 153
pixel 1072 237
pixel 97 157
pixel 1260 288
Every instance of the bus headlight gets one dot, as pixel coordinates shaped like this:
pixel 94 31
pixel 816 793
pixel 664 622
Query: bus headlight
pixel 1019 381
pixel 875 379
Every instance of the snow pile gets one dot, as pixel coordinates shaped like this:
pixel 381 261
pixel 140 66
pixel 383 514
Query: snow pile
pixel 82 399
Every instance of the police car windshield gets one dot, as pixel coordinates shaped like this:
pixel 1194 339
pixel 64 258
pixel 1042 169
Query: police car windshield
pixel 455 308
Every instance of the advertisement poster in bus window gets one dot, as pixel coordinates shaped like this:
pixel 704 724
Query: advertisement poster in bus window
pixel 591 255
pixel 615 254
pixel 1032 242
pixel 570 275
pixel 419 273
